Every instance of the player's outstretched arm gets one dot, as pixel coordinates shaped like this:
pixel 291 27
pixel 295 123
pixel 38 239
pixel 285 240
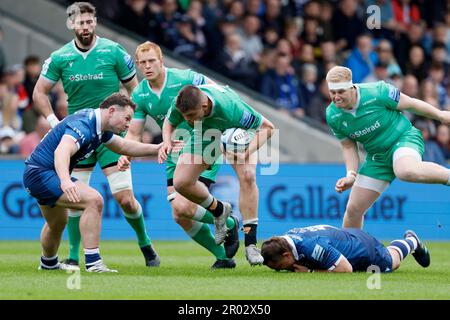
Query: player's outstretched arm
pixel 134 133
pixel 423 108
pixel 41 101
pixel 351 159
pixel 132 148
pixel 136 130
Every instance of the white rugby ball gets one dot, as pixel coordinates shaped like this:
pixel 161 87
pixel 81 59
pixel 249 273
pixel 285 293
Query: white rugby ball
pixel 236 139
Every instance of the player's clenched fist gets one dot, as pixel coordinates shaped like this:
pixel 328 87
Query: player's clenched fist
pixel 344 184
pixel 124 163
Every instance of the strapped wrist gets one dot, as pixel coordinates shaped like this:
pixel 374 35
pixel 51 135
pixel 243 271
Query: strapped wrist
pixel 351 174
pixel 53 120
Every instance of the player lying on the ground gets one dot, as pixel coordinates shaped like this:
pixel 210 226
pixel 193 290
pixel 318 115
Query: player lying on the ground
pixel 47 175
pixel 329 249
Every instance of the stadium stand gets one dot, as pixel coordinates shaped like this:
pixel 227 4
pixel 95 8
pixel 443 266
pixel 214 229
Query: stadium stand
pixel 34 33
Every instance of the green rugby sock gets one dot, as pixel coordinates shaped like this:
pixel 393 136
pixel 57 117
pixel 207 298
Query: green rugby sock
pixel 203 215
pixel 137 222
pixel 74 235
pixel 201 234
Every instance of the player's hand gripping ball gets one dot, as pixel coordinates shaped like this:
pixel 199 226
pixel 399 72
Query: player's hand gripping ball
pixel 236 140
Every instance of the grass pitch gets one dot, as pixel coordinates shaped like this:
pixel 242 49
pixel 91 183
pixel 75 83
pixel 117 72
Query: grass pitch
pixel 185 274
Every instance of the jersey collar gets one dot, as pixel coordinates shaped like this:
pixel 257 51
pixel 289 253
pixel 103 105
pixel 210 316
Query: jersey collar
pixel 358 101
pixel 158 93
pixel 98 121
pixel 85 54
pixel 292 245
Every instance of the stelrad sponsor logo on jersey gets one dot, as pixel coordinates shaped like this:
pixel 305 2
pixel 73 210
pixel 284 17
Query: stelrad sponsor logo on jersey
pixel 86 77
pixel 365 131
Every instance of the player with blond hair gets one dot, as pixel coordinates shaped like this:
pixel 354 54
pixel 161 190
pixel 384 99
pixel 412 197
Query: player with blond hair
pixel 371 114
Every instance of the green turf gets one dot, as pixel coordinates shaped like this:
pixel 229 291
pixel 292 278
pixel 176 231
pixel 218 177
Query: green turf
pixel 185 274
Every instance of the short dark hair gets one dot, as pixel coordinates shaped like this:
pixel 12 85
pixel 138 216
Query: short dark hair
pixel 381 64
pixel 438 45
pixel 31 60
pixel 436 65
pixel 189 98
pixel 272 250
pixel 117 99
pixel 80 8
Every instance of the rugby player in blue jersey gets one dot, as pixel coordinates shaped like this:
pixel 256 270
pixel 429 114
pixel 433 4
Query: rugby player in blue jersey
pixel 48 169
pixel 326 248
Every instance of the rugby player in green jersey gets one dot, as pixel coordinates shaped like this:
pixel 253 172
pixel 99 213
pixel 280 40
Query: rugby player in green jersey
pixel 210 110
pixel 371 114
pixel 153 97
pixel 91 68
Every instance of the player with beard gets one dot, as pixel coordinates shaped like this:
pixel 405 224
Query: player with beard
pixel 91 68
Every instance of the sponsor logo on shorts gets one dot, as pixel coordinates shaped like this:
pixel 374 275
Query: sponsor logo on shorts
pixel 161 116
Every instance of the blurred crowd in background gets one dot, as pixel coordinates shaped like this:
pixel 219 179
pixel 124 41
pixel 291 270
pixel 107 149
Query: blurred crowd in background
pixel 279 48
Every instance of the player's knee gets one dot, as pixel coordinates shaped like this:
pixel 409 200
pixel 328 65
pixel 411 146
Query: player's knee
pixel 58 225
pixel 182 185
pixel 177 216
pixel 95 201
pixel 354 209
pixel 127 203
pixel 180 210
pixel 405 174
pixel 247 179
